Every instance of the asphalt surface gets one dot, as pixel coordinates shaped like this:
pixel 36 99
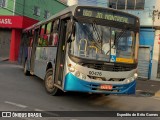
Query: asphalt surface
pixel 148 87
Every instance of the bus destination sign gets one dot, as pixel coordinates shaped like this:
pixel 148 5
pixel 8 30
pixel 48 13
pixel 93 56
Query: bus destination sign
pixel 106 14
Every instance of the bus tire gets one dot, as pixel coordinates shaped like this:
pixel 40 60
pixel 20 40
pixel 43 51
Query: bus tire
pixel 49 84
pixel 26 72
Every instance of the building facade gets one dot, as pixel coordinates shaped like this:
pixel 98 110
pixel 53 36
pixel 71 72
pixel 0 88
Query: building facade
pixel 102 3
pixel 15 15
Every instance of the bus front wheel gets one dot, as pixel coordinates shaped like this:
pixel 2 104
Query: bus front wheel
pixel 49 84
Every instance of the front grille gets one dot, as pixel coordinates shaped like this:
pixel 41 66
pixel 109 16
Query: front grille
pixel 121 68
pixel 114 67
pixel 116 79
pixel 97 78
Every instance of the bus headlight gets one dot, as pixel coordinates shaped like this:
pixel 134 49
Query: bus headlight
pixel 77 73
pixel 130 79
pixel 135 75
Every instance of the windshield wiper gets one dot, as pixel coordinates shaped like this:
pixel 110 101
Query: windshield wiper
pixel 120 35
pixel 94 25
pixel 99 36
pixel 117 38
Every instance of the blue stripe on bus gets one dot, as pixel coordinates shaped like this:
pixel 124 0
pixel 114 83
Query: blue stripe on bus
pixel 72 83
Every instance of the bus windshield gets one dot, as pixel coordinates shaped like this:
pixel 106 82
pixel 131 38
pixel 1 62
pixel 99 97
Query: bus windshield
pixel 96 42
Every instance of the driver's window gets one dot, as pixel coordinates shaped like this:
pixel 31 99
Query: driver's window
pixel 106 40
pixel 125 44
pixel 81 39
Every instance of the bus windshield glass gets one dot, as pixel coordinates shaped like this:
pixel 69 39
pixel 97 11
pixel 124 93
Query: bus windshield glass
pixel 96 42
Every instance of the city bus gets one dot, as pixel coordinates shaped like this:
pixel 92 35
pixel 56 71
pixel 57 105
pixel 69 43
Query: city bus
pixel 84 49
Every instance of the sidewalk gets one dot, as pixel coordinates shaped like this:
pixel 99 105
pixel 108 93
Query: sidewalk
pixel 4 59
pixel 148 88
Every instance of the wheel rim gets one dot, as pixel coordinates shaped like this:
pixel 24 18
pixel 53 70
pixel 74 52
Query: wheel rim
pixel 49 83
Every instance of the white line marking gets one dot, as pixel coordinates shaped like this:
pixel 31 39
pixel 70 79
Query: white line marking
pixel 15 104
pixel 156 98
pixel 46 112
pixel 138 90
pixel 38 109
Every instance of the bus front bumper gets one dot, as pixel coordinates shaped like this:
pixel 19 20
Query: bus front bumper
pixel 72 83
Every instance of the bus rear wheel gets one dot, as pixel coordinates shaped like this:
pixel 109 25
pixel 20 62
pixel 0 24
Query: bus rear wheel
pixel 49 84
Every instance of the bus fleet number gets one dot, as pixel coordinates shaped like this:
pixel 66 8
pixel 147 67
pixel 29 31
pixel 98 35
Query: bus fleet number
pixel 95 73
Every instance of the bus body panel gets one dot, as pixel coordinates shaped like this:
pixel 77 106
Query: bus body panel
pixel 44 55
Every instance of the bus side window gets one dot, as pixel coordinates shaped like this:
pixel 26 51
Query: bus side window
pixel 43 37
pixel 54 33
pixel 39 37
pixel 48 31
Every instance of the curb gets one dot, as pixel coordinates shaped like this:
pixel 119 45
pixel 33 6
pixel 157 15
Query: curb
pixel 157 94
pixel 4 59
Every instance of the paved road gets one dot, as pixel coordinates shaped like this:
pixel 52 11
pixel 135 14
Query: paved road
pixel 21 93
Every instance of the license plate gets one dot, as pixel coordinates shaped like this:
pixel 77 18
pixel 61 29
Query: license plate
pixel 106 87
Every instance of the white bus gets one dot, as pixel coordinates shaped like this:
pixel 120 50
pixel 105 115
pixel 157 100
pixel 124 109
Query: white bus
pixel 84 49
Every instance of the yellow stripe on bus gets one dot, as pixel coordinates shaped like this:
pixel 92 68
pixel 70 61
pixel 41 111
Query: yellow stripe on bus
pixel 125 60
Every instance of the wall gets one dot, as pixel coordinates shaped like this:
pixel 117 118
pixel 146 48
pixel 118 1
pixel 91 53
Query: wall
pixel 156 49
pixel 72 2
pixel 26 7
pixel 14 45
pixel 100 3
pixel 155 55
pixel 157 14
pixel 147 40
pixel 9 9
pixel 19 7
pixel 146 14
pixel 5 35
pixel 147 37
pixel 87 2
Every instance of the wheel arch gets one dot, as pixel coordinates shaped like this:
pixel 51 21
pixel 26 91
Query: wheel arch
pixel 56 91
pixel 49 66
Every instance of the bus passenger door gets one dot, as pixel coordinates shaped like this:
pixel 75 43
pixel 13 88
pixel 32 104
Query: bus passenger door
pixel 60 60
pixel 33 52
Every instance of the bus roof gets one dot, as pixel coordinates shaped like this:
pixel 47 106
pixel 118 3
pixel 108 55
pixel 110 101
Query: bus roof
pixel 72 9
